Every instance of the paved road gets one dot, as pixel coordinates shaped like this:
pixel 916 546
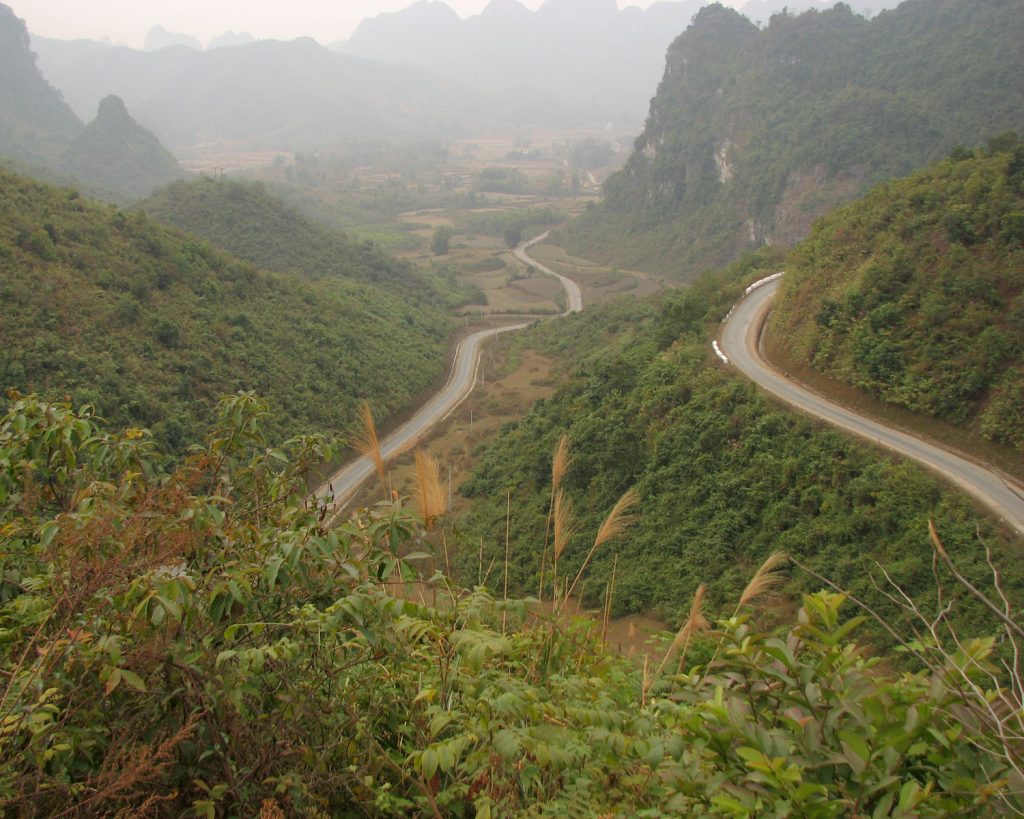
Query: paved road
pixel 740 341
pixel 344 483
pixel 574 297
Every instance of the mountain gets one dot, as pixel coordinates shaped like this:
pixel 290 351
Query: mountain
pixel 756 132
pixel 915 294
pixel 116 153
pixel 36 125
pixel 586 52
pixel 285 95
pixel 230 38
pixel 244 219
pixel 159 38
pixel 152 325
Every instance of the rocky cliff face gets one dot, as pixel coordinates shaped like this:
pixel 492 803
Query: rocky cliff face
pixel 35 123
pixel 754 133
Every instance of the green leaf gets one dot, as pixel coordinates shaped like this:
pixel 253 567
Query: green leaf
pixel 47 533
pixel 113 681
pixel 133 679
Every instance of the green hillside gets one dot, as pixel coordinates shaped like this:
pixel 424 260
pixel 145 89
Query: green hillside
pixel 247 221
pixel 754 133
pixel 724 475
pixel 915 294
pixel 152 325
pixel 117 153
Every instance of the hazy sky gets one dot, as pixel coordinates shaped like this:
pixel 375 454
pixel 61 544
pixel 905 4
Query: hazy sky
pixel 128 21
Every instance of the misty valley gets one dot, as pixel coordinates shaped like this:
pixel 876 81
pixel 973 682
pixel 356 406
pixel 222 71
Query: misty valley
pixel 512 409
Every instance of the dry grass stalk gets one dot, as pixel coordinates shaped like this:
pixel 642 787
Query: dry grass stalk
pixel 429 492
pixel 645 684
pixel 608 596
pixel 368 443
pixel 765 580
pixel 618 521
pixel 508 520
pixel 563 528
pixel 695 623
pixel 560 463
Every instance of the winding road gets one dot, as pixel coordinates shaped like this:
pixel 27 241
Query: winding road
pixel 343 484
pixel 741 343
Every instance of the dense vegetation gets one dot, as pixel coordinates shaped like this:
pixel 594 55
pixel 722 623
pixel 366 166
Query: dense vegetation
pixel 199 645
pixel 916 293
pixel 249 222
pixel 756 132
pixel 724 475
pixel 152 325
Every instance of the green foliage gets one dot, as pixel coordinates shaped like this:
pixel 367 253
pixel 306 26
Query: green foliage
pixel 725 476
pixel 525 221
pixel 253 224
pixel 441 240
pixel 500 180
pixel 199 645
pixel 756 132
pixel 915 294
pixel 150 325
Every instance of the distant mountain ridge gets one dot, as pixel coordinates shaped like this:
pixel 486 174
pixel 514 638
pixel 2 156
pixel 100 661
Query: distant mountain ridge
pixel 293 95
pixel 588 52
pixel 754 132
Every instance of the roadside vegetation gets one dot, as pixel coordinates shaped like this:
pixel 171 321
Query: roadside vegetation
pixel 915 294
pixel 724 475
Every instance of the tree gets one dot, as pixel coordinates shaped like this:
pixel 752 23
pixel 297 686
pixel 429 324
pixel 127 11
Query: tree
pixel 513 236
pixel 442 240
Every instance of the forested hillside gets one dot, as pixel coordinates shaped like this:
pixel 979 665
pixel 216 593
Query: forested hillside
pixel 724 476
pixel 754 133
pixel 116 153
pixel 153 325
pixel 252 224
pixel 915 293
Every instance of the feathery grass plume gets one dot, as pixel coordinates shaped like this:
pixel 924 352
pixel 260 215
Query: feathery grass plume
pixel 560 463
pixel 609 595
pixel 368 443
pixel 766 579
pixel 618 521
pixel 429 492
pixel 563 528
pixel 695 623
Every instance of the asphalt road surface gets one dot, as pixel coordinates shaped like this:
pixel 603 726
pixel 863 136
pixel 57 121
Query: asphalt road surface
pixel 740 341
pixel 343 484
